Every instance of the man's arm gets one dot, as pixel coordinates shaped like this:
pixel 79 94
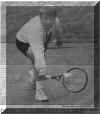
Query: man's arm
pixel 58 27
pixel 58 32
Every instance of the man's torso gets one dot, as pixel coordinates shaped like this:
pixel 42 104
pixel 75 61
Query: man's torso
pixel 31 32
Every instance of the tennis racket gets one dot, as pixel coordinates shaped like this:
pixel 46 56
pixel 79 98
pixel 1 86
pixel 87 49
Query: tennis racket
pixel 75 79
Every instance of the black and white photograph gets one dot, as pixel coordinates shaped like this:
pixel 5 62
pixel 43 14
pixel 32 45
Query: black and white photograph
pixel 49 54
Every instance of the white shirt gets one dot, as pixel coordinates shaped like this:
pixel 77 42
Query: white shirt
pixel 31 32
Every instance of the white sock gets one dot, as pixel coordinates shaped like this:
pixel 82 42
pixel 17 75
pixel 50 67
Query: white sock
pixel 39 85
pixel 31 73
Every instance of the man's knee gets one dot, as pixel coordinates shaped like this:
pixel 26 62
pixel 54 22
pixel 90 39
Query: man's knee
pixel 43 71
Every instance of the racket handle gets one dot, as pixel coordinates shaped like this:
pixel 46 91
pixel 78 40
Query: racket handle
pixel 57 77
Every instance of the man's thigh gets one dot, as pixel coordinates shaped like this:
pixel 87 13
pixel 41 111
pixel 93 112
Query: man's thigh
pixel 37 57
pixel 30 55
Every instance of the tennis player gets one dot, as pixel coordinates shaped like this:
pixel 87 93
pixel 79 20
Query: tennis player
pixel 30 41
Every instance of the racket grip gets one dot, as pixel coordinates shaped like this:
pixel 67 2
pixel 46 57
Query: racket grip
pixel 57 77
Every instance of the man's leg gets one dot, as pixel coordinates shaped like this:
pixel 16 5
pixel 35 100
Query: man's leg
pixel 33 72
pixel 36 71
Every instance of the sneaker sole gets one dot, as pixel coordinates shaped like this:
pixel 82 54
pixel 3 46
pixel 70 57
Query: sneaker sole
pixel 41 100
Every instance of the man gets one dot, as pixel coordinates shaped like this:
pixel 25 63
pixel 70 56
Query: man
pixel 30 41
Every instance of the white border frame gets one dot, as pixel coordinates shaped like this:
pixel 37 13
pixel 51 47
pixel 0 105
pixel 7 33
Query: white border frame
pixel 3 49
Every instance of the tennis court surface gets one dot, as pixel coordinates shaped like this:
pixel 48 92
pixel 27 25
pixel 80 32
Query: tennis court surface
pixel 19 90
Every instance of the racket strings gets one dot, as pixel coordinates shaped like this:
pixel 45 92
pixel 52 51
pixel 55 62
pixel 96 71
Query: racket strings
pixel 75 81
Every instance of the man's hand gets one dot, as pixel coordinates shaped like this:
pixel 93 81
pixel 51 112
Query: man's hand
pixel 59 44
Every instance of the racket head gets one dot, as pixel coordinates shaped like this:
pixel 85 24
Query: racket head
pixel 75 80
